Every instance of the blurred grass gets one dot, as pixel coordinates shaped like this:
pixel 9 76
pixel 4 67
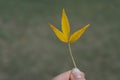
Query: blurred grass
pixel 29 50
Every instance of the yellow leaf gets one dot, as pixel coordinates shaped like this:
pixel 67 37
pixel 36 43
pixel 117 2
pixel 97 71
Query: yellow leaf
pixel 65 24
pixel 76 35
pixel 59 34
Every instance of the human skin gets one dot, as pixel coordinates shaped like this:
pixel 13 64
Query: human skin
pixel 74 74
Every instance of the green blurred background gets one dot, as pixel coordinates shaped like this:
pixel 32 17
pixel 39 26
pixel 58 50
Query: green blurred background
pixel 29 50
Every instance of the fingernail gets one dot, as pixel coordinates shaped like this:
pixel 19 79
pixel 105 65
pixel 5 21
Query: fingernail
pixel 76 73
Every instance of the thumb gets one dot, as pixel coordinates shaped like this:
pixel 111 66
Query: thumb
pixel 76 74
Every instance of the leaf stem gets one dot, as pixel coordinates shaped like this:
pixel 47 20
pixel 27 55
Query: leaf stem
pixel 73 60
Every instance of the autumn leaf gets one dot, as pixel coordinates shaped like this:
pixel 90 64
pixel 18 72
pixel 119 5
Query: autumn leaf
pixel 64 35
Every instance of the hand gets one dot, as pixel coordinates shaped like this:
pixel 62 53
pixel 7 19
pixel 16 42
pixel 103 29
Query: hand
pixel 74 74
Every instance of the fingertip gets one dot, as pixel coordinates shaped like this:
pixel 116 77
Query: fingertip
pixel 76 74
pixel 63 76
